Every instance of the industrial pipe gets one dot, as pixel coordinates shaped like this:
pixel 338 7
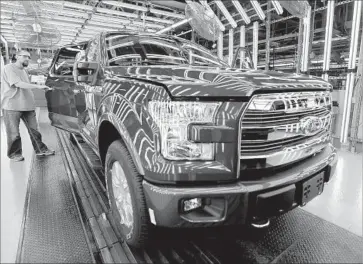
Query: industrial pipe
pixel 306 41
pixel 230 47
pixel 255 44
pixel 357 13
pixel 328 37
pixel 178 24
pixel 242 43
pixel 220 45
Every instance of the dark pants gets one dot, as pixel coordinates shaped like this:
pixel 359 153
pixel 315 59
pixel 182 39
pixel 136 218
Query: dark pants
pixel 12 121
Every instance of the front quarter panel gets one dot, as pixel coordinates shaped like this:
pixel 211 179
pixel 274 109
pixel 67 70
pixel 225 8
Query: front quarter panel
pixel 125 106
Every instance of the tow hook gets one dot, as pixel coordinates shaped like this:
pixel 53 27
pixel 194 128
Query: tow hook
pixel 261 223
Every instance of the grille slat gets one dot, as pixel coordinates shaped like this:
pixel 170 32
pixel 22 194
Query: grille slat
pixel 272 123
pixel 256 144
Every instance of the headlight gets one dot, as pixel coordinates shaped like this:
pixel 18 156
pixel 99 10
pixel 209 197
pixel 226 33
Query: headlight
pixel 173 118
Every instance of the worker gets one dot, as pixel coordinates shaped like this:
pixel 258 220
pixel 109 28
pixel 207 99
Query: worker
pixel 17 102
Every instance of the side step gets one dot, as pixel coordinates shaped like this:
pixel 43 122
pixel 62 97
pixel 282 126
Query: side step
pixel 107 247
pixel 87 152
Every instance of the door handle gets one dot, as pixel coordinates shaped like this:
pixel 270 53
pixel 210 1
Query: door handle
pixel 98 89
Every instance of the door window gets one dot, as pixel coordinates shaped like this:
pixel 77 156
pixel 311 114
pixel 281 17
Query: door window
pixel 64 63
pixel 93 51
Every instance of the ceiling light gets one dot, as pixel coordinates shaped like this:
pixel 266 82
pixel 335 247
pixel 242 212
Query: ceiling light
pixel 109 19
pixel 241 11
pixel 105 25
pixel 277 7
pixel 165 13
pixel 160 20
pixel 258 9
pixel 116 12
pixel 75 5
pixel 124 5
pixel 205 4
pixel 62 23
pixel 69 19
pixel 226 13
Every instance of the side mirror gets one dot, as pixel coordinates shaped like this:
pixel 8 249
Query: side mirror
pixel 86 72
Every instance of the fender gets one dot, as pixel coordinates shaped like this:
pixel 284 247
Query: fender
pixel 123 132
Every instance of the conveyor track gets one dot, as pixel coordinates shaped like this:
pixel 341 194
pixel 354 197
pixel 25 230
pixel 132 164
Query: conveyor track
pixel 294 237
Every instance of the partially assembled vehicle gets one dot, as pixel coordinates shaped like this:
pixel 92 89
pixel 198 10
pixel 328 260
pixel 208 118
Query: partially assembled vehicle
pixel 187 140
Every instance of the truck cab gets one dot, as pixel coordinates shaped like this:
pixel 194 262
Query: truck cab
pixel 185 139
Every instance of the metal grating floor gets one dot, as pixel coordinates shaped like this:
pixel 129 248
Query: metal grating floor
pixel 52 228
pixel 296 237
pixel 53 231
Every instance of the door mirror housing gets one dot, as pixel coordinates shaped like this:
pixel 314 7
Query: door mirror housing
pixel 86 72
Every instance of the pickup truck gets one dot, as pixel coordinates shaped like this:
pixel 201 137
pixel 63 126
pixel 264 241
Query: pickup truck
pixel 187 140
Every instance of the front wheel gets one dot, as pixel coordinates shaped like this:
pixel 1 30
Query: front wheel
pixel 126 196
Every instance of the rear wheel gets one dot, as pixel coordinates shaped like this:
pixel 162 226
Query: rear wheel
pixel 125 194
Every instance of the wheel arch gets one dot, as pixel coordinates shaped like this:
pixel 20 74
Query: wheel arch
pixel 111 129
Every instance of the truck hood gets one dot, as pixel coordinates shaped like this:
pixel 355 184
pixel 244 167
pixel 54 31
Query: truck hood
pixel 184 81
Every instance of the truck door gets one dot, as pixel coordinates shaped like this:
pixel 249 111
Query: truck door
pixel 66 101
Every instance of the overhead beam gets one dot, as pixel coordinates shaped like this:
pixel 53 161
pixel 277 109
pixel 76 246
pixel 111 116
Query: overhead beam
pixel 225 12
pixel 241 11
pixel 258 9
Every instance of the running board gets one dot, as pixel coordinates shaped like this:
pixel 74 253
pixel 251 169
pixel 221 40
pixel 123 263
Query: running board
pixel 87 152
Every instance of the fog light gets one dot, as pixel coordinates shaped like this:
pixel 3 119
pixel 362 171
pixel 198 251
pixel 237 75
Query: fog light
pixel 192 204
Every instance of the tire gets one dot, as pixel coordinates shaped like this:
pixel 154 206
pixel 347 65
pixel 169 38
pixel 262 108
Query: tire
pixel 135 233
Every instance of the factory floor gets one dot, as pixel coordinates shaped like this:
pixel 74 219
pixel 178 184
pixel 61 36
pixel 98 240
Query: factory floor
pixel 340 204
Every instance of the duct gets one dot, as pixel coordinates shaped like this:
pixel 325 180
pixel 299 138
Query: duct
pixel 357 13
pixel 255 44
pixel 306 41
pixel 230 47
pixel 328 37
pixel 182 22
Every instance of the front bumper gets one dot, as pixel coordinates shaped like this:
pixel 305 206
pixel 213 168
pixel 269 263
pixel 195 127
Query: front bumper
pixel 240 202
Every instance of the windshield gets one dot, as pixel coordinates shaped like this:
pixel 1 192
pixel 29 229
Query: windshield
pixel 148 50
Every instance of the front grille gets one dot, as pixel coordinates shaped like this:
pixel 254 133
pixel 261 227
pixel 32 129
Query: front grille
pixel 279 129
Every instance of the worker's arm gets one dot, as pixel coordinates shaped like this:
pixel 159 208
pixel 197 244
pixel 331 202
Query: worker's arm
pixel 25 85
pixel 14 81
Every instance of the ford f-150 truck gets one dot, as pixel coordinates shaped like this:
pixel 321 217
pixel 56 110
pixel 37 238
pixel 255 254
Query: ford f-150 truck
pixel 187 140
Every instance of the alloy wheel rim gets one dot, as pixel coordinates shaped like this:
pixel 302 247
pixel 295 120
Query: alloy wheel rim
pixel 122 195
